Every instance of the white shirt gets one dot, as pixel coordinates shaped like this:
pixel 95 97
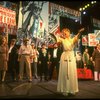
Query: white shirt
pixel 55 53
pixel 25 50
pixel 10 49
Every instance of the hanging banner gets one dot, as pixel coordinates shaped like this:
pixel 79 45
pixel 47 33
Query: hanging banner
pixel 61 9
pixel 55 11
pixel 84 40
pixel 96 23
pixel 8 20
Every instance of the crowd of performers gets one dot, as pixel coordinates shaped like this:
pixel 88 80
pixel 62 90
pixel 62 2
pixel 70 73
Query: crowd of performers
pixel 39 63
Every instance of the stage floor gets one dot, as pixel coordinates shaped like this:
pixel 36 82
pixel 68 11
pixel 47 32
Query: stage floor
pixel 88 89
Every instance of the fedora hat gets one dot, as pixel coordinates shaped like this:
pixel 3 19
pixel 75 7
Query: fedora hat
pixel 25 39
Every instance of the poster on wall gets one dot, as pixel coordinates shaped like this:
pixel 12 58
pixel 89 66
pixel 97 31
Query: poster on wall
pixel 33 21
pixel 97 33
pixel 92 41
pixel 7 21
pixel 53 25
pixel 85 40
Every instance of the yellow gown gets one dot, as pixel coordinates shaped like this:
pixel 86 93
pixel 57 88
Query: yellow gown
pixel 67 80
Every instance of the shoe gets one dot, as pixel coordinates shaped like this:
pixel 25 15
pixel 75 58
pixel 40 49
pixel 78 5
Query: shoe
pixel 40 79
pixel 2 81
pixel 36 77
pixel 46 80
pixel 14 80
pixel 30 81
pixel 20 80
pixel 65 94
pixel 71 94
pixel 49 78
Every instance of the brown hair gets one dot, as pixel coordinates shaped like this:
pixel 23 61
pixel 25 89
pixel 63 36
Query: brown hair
pixel 13 40
pixel 1 39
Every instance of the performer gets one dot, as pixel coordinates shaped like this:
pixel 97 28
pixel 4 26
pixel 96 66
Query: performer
pixel 24 57
pixel 67 79
pixel 3 57
pixel 13 60
pixel 96 59
pixel 55 58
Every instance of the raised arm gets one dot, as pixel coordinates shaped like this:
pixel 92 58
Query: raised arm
pixel 78 35
pixel 57 38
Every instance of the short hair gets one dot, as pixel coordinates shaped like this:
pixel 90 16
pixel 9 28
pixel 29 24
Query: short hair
pixel 13 40
pixel 32 44
pixel 65 29
pixel 97 44
pixel 1 39
pixel 43 44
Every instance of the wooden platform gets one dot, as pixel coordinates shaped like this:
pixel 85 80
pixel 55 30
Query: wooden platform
pixel 88 89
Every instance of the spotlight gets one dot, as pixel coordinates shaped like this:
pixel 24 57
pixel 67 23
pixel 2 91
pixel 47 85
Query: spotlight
pixel 84 12
pixel 83 8
pixel 95 1
pixel 92 2
pixel 80 9
pixel 76 20
pixel 88 5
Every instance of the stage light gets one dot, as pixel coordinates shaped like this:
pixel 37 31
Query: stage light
pixel 80 9
pixel 84 12
pixel 88 5
pixel 83 8
pixel 92 2
pixel 76 20
pixel 95 1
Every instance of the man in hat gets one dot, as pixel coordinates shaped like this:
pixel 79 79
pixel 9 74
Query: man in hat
pixel 25 56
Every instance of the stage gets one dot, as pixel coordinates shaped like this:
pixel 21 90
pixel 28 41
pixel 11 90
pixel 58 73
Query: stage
pixel 88 89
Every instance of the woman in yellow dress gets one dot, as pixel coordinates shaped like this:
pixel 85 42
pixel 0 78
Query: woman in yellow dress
pixel 67 80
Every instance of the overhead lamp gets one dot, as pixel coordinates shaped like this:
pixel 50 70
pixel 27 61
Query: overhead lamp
pixel 76 20
pixel 88 5
pixel 80 9
pixel 83 8
pixel 84 12
pixel 92 2
pixel 95 1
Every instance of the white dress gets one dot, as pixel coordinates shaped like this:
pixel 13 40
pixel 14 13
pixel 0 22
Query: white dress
pixel 67 80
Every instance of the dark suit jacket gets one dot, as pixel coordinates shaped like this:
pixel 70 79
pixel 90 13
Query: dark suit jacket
pixel 59 52
pixel 13 57
pixel 96 58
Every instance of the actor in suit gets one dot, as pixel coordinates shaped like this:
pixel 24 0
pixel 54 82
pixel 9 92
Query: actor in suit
pixel 43 58
pixel 13 60
pixel 55 56
pixel 96 59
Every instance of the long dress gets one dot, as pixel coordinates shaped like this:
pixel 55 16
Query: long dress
pixel 67 80
pixel 3 57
